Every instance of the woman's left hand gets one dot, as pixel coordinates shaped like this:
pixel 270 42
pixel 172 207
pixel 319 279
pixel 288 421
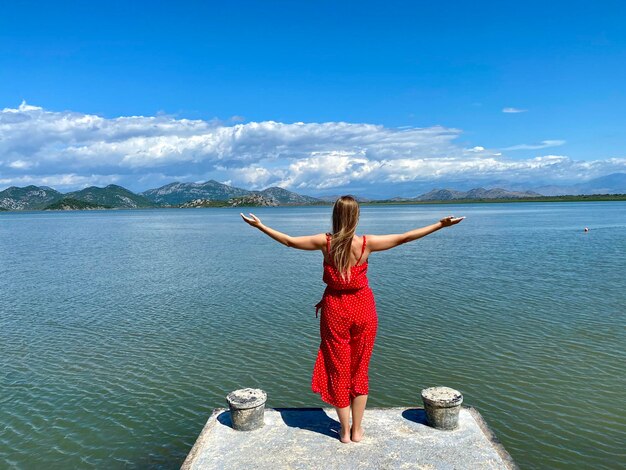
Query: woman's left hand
pixel 450 220
pixel 252 220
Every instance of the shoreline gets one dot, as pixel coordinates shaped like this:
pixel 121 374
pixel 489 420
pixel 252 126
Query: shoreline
pixel 222 205
pixel 581 198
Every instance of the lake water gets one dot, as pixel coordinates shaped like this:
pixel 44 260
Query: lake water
pixel 121 330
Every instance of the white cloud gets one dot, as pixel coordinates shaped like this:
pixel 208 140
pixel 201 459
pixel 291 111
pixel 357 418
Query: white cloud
pixel 542 145
pixel 69 150
pixel 19 164
pixel 513 110
pixel 254 176
pixel 21 108
pixel 57 181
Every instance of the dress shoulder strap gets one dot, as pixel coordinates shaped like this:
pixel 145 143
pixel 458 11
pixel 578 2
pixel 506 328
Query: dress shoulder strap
pixel 328 236
pixel 362 250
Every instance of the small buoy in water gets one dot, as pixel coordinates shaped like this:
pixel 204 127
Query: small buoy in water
pixel 586 229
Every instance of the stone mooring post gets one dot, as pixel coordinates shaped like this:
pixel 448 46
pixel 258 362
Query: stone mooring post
pixel 247 407
pixel 442 406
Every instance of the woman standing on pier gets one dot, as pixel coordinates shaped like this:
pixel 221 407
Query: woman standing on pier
pixel 348 322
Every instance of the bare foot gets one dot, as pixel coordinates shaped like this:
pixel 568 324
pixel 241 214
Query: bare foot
pixel 356 435
pixel 344 436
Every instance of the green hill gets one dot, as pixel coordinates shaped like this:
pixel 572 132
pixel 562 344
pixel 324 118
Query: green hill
pixel 69 204
pixel 251 200
pixel 28 198
pixel 174 194
pixel 113 196
pixel 285 197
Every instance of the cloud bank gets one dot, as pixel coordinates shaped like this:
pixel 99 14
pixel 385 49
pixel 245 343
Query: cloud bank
pixel 69 150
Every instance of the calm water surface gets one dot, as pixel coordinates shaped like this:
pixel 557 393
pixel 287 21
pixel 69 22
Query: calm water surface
pixel 121 330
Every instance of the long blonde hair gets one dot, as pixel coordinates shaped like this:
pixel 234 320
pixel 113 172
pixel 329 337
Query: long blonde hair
pixel 345 219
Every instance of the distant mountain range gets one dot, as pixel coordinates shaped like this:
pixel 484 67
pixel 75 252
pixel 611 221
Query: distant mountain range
pixel 178 193
pixel 214 194
pixel 614 183
pixel 170 195
pixel 477 193
pixel 38 198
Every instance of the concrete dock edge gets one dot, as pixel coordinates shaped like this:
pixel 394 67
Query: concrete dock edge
pixel 495 442
pixel 206 430
pixel 293 430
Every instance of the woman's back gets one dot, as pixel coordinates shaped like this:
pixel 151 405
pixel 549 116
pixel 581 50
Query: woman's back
pixel 356 278
pixel 358 252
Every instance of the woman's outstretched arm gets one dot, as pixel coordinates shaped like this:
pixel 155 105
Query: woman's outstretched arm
pixel 308 242
pixel 385 242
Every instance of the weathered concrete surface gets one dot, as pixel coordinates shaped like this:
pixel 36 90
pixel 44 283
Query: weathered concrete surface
pixel 306 438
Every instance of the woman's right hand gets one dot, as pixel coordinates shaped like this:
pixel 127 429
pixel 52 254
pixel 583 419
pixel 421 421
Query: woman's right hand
pixel 450 220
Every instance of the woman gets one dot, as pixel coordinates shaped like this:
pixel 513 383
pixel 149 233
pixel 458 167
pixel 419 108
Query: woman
pixel 348 323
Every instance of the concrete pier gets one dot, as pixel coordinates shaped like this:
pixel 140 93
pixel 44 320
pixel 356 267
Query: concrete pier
pixel 306 438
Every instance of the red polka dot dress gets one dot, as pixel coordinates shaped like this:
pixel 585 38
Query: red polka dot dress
pixel 348 329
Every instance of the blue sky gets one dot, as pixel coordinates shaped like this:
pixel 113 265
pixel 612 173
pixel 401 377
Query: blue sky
pixel 451 68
